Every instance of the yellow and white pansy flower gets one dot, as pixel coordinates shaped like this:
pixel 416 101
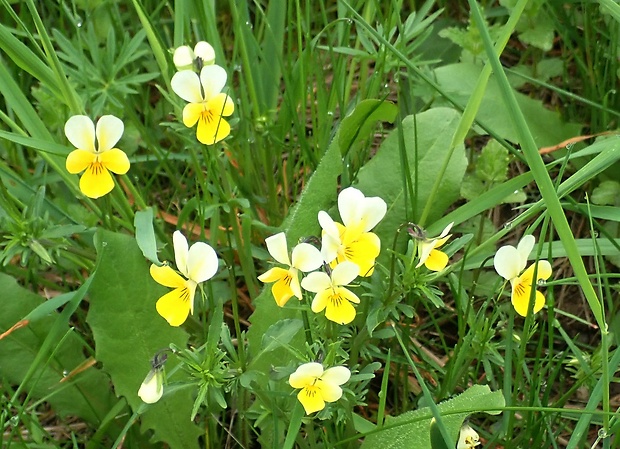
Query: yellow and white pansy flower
pixel 207 103
pixel 352 240
pixel 184 57
pixel 305 258
pixel 197 264
pixel 510 262
pixel 331 295
pixel 430 255
pixel 468 438
pixel 318 386
pixel 95 153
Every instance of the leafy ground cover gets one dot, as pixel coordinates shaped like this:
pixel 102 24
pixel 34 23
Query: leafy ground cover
pixel 309 224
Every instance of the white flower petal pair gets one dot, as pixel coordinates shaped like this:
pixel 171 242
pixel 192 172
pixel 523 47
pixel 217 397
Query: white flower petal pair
pixel 509 261
pixel 198 263
pixel 81 132
pixel 184 56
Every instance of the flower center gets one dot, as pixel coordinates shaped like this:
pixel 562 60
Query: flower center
pixel 96 167
pixel 185 294
pixel 335 298
pixel 206 115
pixel 311 390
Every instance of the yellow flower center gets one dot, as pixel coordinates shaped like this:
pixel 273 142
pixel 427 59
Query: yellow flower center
pixel 206 115
pixel 96 167
pixel 335 298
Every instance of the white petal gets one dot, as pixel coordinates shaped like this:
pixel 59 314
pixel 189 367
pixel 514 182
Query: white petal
pixel 328 225
pixel 507 262
pixel 295 285
pixel 350 203
pixel 305 375
pixel 181 250
pixel 205 51
pixel 336 375
pixel 525 246
pixel 109 132
pixel 329 247
pixel 183 57
pixel 373 211
pixel 80 130
pixel 186 85
pixel 277 247
pixel 201 262
pixel 424 250
pixel 306 257
pixel 445 231
pixel 316 281
pixel 213 79
pixel 344 273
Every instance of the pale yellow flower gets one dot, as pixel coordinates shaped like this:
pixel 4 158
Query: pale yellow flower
pixel 207 104
pixel 97 161
pixel 510 262
pixel 318 386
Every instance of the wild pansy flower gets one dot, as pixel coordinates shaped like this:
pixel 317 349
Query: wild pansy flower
pixel 305 257
pixel 352 240
pixel 428 252
pixel 97 161
pixel 184 57
pixel 207 104
pixel 318 386
pixel 468 438
pixel 330 293
pixel 197 264
pixel 509 262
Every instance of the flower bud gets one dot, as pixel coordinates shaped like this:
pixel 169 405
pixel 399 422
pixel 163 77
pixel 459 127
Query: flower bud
pixel 152 387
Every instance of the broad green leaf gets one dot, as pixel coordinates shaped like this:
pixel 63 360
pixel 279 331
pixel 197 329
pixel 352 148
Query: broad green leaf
pixel 546 126
pixel 412 429
pixel 383 175
pixel 358 124
pixel 81 395
pixel 128 331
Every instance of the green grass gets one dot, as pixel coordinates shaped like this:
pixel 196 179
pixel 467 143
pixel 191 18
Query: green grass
pixel 327 95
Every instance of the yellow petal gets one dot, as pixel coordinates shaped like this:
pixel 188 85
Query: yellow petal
pixel 282 291
pixel 175 306
pixel 166 276
pixel 221 105
pixel 521 298
pixel 212 128
pixel 273 275
pixel 363 252
pixel 191 113
pixel 96 181
pixel 311 398
pixel 339 310
pixel 436 260
pixel 79 160
pixel 115 160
